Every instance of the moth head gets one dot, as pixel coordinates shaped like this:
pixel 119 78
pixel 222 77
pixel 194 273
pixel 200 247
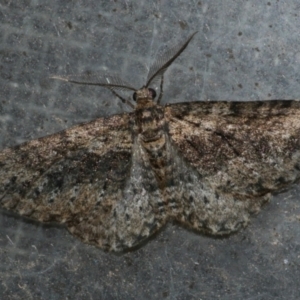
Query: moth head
pixel 144 93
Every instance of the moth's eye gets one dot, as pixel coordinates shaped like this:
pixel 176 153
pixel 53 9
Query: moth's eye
pixel 152 92
pixel 134 96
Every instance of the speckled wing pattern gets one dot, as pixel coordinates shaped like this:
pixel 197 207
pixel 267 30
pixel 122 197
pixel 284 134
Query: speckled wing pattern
pixel 83 177
pixel 231 157
pixel 117 180
pixel 222 162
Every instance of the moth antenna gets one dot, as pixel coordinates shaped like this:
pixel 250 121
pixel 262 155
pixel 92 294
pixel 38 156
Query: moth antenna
pixel 163 61
pixel 108 81
pixel 112 82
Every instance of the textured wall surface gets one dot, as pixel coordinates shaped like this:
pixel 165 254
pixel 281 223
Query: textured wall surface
pixel 244 50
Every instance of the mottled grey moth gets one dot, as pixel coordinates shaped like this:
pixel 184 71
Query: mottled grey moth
pixel 115 181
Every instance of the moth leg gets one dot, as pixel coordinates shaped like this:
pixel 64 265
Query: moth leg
pixel 125 101
pixel 161 89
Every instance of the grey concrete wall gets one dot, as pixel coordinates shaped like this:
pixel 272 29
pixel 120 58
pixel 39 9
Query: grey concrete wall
pixel 244 50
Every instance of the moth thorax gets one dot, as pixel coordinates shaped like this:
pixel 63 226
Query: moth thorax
pixel 144 95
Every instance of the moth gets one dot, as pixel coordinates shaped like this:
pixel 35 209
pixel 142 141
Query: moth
pixel 117 180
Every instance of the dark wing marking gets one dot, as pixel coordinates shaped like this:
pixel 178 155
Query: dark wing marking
pixel 86 177
pixel 232 155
